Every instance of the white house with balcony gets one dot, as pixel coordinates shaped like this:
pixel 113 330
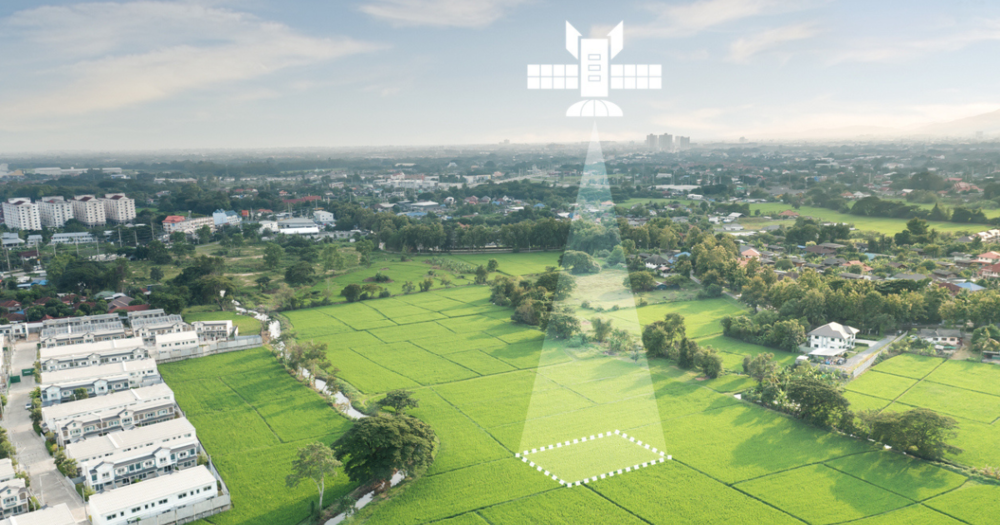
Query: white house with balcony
pixel 178 498
pixel 831 339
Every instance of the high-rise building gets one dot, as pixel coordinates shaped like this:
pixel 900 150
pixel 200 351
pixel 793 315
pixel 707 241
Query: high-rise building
pixel 89 210
pixel 651 142
pixel 21 214
pixel 666 142
pixel 54 211
pixel 683 142
pixel 118 208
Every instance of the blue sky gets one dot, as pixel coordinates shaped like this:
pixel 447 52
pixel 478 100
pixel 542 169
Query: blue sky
pixel 256 73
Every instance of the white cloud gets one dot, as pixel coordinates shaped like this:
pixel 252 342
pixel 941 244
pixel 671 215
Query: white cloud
pixel 743 49
pixel 681 20
pixel 442 13
pixel 102 56
pixel 883 50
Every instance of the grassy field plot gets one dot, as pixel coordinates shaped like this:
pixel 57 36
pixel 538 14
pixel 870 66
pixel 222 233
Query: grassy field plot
pixel 561 507
pixel 912 515
pixel 737 442
pixel 514 263
pixel 980 377
pixel 252 418
pixel 575 461
pixel 878 384
pixel 953 401
pixel 416 363
pixel 822 495
pixel 903 475
pixel 909 365
pixel 876 224
pixel 861 402
pixel 673 493
pixel 973 503
pixel 452 493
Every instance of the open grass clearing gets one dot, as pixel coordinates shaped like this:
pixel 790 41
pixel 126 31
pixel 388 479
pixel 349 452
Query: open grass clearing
pixel 565 507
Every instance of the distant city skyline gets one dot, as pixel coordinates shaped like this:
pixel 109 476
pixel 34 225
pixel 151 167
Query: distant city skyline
pixel 155 75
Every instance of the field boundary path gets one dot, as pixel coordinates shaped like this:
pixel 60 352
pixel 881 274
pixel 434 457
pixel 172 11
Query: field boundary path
pixel 48 485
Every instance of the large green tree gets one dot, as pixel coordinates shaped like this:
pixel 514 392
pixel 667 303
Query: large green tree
pixel 376 447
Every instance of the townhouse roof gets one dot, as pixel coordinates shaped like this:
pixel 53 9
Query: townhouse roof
pixel 105 402
pixel 150 490
pixel 58 515
pixel 97 372
pixel 85 349
pixel 140 437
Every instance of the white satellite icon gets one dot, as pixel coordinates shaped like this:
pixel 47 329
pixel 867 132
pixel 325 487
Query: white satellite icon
pixel 594 75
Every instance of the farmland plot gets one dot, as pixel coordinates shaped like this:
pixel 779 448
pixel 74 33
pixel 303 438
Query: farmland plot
pixel 252 418
pixel 822 495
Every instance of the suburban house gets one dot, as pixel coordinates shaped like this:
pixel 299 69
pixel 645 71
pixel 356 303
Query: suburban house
pixel 178 498
pixel 148 327
pixel 58 515
pixel 99 380
pixel 97 416
pixel 174 344
pixel 13 493
pixel 119 459
pixel 990 271
pixel 215 330
pixel 941 336
pixel 77 330
pixel 92 354
pixel 749 252
pixel 988 258
pixel 831 339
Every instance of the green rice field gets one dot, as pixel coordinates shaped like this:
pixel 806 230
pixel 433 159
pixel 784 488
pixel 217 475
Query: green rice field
pixel 491 388
pixel 252 418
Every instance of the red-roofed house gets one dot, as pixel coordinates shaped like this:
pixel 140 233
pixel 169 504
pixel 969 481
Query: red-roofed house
pixel 988 257
pixel 133 308
pixel 11 304
pixel 788 213
pixel 990 272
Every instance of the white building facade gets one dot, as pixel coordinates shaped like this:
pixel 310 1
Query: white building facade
pixel 21 214
pixel 54 211
pixel 89 210
pixel 118 208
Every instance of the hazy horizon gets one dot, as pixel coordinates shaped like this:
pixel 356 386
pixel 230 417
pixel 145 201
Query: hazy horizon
pixel 246 75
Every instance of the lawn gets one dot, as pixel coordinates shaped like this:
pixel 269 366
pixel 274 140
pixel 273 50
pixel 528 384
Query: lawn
pixel 247 325
pixel 879 384
pixel 252 418
pixel 584 457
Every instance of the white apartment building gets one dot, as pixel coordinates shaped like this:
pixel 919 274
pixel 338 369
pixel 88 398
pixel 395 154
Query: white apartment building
pixel 91 354
pixel 176 223
pixel 89 210
pixel 118 208
pixel 179 497
pixel 21 214
pixel 54 211
pixel 122 458
pixel 323 216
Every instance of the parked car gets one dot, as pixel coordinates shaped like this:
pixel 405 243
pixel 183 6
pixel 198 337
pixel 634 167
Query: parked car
pixel 27 406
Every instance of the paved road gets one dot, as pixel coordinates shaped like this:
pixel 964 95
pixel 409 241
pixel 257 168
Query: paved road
pixel 47 484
